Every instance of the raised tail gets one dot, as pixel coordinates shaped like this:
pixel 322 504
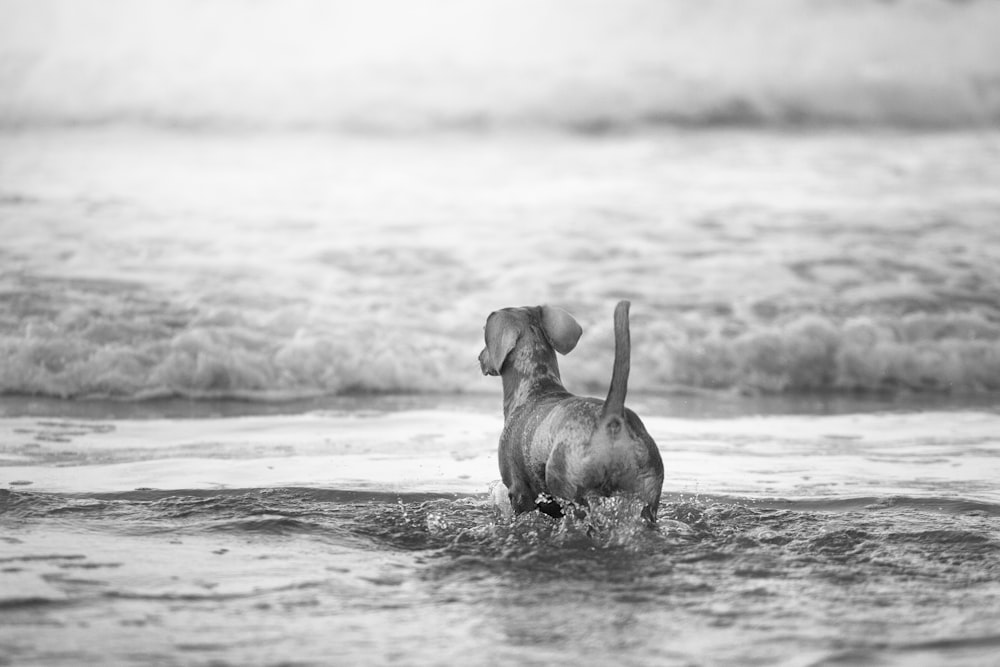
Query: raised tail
pixel 614 404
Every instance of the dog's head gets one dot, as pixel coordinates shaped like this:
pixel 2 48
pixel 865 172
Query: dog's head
pixel 547 325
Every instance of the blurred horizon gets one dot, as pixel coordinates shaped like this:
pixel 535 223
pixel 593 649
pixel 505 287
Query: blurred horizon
pixel 396 66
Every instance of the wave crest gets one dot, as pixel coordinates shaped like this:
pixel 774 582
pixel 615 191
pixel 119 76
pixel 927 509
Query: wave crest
pixel 957 353
pixel 938 353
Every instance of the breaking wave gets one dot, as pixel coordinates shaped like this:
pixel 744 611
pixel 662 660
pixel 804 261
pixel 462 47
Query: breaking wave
pixel 228 354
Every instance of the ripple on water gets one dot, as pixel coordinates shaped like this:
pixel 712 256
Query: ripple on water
pixel 782 574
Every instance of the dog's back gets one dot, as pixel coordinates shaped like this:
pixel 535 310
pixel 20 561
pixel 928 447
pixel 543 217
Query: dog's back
pixel 572 447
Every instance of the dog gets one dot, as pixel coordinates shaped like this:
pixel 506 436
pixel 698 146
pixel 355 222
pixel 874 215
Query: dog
pixel 556 446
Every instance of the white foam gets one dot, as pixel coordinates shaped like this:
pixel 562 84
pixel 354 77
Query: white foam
pixel 273 267
pixel 932 454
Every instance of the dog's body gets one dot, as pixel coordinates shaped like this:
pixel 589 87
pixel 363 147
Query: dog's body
pixel 557 444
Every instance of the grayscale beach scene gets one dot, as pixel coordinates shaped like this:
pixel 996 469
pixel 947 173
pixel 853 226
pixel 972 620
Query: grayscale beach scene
pixel 248 250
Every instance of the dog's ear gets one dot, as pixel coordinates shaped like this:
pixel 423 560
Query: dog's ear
pixel 502 333
pixel 561 329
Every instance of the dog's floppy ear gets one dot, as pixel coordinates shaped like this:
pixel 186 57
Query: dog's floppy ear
pixel 501 337
pixel 560 328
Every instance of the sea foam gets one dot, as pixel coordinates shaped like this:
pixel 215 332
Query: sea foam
pixel 920 352
pixel 142 263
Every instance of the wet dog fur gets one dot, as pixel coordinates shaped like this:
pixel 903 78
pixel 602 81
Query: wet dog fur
pixel 556 446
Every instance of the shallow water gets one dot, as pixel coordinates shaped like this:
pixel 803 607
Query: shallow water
pixel 259 576
pixel 353 536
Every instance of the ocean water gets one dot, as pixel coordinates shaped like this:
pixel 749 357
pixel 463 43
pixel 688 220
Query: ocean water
pixel 144 263
pixel 352 535
pixel 247 250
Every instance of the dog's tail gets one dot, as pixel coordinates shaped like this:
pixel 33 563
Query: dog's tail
pixel 614 404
